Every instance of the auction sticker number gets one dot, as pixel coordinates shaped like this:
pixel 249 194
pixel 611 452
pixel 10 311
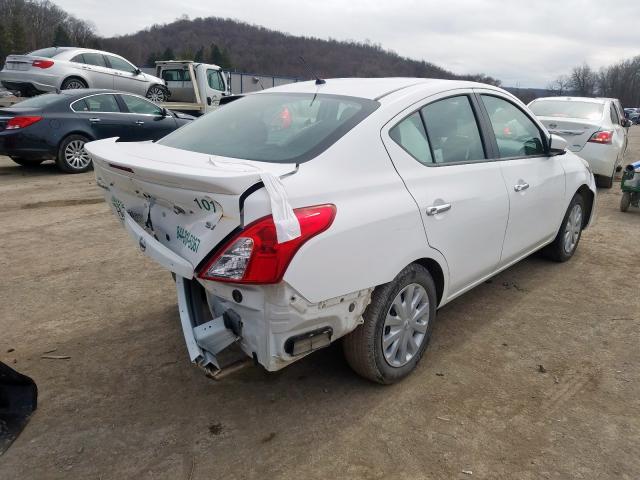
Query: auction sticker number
pixel 188 239
pixel 204 204
pixel 119 207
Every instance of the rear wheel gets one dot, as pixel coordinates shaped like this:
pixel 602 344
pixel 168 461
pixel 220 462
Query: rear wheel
pixel 157 94
pixel 397 327
pixel 26 162
pixel 73 84
pixel 625 201
pixel 72 157
pixel 566 241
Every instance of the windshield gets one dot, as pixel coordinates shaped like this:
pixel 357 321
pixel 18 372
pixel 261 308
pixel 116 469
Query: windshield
pixel 47 52
pixel 39 101
pixel 273 127
pixel 567 108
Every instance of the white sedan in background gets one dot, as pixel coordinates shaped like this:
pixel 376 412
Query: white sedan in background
pixel 353 208
pixel 595 129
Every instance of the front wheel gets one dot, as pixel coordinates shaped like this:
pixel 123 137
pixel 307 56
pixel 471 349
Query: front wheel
pixel 397 327
pixel 157 94
pixel 72 157
pixel 625 201
pixel 566 241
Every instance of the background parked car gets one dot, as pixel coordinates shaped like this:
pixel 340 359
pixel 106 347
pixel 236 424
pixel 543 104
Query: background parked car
pixel 64 68
pixel 592 127
pixel 57 125
pixel 632 114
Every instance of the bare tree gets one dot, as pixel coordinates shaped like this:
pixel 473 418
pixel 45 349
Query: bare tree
pixel 583 81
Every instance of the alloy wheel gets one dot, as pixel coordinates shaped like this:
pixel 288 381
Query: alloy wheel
pixel 156 94
pixel 573 229
pixel 405 326
pixel 73 85
pixel 76 156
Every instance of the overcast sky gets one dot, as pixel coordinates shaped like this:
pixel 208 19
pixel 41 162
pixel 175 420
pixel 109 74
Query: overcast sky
pixel 524 43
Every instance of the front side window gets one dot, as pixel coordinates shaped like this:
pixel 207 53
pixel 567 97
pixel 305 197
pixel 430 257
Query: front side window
pixel 453 131
pixel 410 135
pixel 515 132
pixel 140 105
pixel 97 103
pixel 120 64
pixel 215 80
pixel 273 127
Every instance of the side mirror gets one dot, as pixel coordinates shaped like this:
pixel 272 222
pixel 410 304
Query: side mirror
pixel 557 145
pixel 137 71
pixel 625 122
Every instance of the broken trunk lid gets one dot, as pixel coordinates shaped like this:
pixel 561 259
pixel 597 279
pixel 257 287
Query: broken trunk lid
pixel 189 202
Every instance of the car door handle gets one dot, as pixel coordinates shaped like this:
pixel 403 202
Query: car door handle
pixel 139 122
pixel 94 120
pixel 521 186
pixel 436 209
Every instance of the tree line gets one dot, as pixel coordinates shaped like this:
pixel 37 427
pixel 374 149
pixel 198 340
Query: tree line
pixel 211 54
pixel 620 80
pixel 27 25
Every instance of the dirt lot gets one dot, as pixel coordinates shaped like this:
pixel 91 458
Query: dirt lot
pixel 128 404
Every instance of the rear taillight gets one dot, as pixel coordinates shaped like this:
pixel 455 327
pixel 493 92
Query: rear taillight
pixel 255 256
pixel 604 136
pixel 21 122
pixel 42 63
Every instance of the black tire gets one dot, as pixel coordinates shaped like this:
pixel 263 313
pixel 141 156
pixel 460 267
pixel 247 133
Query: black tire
pixel 157 94
pixel 26 162
pixel 625 201
pixel 70 165
pixel 556 250
pixel 363 347
pixel 73 83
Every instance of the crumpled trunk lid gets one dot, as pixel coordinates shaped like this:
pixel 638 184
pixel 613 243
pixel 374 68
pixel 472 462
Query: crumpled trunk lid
pixel 188 202
pixel 575 131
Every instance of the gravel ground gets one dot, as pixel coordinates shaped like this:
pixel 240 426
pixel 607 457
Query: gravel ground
pixel 535 374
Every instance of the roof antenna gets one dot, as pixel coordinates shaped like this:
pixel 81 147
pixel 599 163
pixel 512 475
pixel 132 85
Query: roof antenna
pixel 319 81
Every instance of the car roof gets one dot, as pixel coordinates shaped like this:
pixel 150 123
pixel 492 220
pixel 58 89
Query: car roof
pixel 371 88
pixel 579 99
pixel 86 91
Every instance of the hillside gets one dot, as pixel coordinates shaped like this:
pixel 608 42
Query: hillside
pixel 252 48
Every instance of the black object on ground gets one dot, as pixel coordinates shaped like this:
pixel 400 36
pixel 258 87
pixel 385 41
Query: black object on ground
pixel 18 400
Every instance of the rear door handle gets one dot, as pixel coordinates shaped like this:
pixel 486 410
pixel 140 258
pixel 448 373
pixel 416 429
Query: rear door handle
pixel 139 122
pixel 436 209
pixel 94 120
pixel 521 186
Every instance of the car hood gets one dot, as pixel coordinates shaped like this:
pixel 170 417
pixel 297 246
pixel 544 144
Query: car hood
pixel 152 79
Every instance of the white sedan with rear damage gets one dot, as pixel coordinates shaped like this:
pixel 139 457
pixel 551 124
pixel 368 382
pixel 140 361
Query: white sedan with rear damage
pixel 352 208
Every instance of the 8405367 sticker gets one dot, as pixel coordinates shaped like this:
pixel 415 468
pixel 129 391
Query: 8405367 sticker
pixel 187 238
pixel 118 207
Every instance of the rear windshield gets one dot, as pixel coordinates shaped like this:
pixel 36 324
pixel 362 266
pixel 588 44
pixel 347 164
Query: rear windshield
pixel 273 127
pixel 47 52
pixel 567 108
pixel 39 101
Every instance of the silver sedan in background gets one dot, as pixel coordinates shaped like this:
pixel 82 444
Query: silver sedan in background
pixel 62 68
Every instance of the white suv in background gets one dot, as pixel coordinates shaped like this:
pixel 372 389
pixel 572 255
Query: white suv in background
pixel 353 208
pixel 62 68
pixel 594 128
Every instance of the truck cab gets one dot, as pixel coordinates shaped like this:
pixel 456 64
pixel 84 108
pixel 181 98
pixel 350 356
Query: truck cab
pixel 196 88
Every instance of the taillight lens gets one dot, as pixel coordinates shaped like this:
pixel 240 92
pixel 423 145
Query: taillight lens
pixel 21 122
pixel 255 256
pixel 604 136
pixel 42 63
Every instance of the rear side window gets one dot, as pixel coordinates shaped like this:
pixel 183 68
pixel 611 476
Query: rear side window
pixel 78 59
pixel 453 130
pixel 614 115
pixel 172 75
pixel 97 103
pixel 94 59
pixel 273 127
pixel 516 134
pixel 410 135
pixel 140 106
